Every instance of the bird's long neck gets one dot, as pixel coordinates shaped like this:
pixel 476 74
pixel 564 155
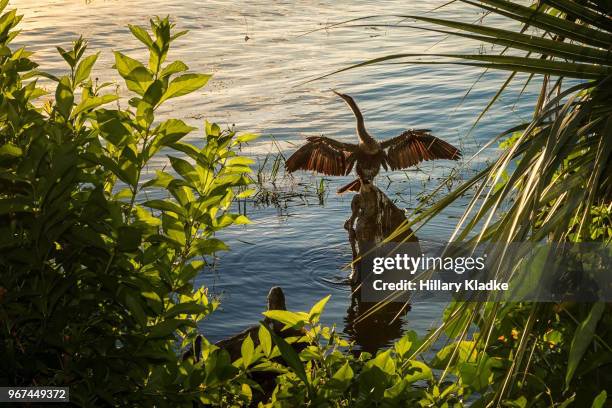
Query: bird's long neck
pixel 362 133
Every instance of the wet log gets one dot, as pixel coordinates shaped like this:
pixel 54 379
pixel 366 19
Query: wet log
pixel 266 380
pixel 276 301
pixel 374 217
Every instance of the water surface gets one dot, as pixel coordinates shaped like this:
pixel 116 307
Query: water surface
pixel 259 57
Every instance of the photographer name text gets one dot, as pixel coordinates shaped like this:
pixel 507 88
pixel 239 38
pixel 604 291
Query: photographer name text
pixel 436 285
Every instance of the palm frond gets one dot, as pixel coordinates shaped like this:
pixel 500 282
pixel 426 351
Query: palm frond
pixel 546 185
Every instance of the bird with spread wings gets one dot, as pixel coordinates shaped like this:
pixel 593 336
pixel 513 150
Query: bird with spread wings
pixel 333 158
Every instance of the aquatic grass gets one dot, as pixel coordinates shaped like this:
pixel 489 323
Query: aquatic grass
pixel 321 191
pixel 275 167
pixel 272 193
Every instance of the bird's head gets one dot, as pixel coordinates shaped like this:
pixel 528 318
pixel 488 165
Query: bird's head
pixel 346 98
pixel 361 131
pixel 351 103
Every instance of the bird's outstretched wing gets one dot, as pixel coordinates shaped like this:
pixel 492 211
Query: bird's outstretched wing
pixel 323 155
pixel 415 145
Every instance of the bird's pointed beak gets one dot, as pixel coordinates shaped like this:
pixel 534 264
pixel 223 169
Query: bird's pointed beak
pixel 343 96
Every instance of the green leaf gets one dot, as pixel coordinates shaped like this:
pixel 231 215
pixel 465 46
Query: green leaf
pixel 64 97
pixel 240 161
pixel 190 271
pixel 83 70
pixel 600 400
pixel 418 371
pixel 247 350
pixel 166 328
pixel 171 131
pixel 207 246
pixel 383 361
pixel 188 308
pixel 228 219
pixel 265 340
pixel 396 390
pixel 189 150
pixel 289 319
pixel 135 307
pixel 154 93
pixel 212 129
pixel 179 34
pixel 144 114
pixel 93 102
pixel 402 346
pixel 144 217
pixel 185 169
pixel 141 34
pixel 173 68
pixel 10 150
pixel 583 336
pixel 174 229
pixel 461 312
pixel 344 374
pixel 290 356
pixel 246 137
pixel 137 77
pixel 317 309
pixel 246 393
pixel 36 93
pixel 66 55
pixel 478 375
pixel 184 85
pixel 165 205
pixel 466 353
pixel 182 194
pixel 521 41
pixel 127 164
pixel 108 164
pixel 520 402
pixel 584 13
pixel 246 193
pixel 126 65
pixel 161 179
pixel 512 63
pixel 3 5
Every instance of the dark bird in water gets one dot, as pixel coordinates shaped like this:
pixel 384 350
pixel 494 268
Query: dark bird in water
pixel 328 156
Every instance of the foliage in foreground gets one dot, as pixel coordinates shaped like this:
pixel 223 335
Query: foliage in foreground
pixel 96 289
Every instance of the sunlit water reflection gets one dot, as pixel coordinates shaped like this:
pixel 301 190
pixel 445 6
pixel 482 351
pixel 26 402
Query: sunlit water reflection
pixel 302 248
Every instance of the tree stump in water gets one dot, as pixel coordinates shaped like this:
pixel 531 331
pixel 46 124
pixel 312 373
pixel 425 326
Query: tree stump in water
pixel 374 217
pixel 265 379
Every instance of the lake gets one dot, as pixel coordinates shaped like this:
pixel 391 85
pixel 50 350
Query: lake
pixel 260 59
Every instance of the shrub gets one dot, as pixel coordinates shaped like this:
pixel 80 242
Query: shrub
pixel 96 289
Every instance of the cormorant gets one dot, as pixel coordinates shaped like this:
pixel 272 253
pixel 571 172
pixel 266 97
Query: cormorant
pixel 328 156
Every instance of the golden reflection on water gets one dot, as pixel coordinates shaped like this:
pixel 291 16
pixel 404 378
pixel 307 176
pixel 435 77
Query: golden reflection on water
pixel 259 74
